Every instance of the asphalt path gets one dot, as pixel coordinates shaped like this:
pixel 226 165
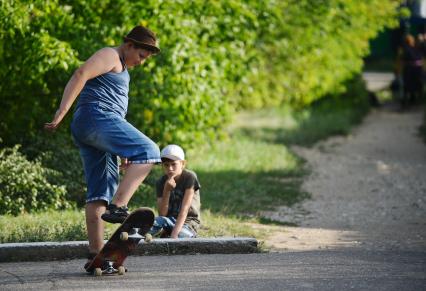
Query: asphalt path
pixel 344 269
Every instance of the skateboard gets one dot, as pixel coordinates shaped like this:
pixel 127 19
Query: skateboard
pixel 109 261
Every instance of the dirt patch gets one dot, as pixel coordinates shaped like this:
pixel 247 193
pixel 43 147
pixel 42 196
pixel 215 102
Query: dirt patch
pixel 368 189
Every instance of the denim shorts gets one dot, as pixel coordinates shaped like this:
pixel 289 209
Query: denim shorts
pixel 102 136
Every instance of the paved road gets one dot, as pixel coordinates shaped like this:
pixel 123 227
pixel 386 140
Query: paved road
pixel 316 270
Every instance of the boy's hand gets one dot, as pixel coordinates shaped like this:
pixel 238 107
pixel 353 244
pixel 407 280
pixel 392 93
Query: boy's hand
pixel 170 182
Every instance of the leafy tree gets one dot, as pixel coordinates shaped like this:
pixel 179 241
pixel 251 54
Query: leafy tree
pixel 217 57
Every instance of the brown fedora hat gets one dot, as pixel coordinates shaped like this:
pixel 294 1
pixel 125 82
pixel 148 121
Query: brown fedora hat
pixel 143 37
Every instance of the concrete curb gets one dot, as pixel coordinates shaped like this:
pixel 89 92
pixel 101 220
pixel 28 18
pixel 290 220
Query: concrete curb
pixel 48 251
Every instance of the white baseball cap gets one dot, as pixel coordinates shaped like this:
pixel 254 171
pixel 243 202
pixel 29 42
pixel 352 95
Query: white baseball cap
pixel 173 152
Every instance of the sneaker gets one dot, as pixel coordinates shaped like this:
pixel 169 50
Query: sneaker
pixel 90 257
pixel 114 214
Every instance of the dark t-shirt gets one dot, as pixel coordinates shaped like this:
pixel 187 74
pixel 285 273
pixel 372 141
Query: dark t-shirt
pixel 187 180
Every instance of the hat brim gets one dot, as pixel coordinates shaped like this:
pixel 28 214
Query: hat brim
pixel 171 157
pixel 152 48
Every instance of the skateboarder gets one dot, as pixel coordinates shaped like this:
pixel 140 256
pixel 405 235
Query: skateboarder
pixel 178 197
pixel 102 134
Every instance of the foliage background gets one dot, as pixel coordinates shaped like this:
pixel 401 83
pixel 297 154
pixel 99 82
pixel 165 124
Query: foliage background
pixel 218 57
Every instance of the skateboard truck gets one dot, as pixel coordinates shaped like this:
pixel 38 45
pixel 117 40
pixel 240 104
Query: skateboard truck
pixel 135 235
pixel 109 270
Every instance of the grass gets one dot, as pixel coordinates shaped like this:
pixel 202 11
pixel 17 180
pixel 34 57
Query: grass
pixel 304 127
pixel 243 176
pixel 253 170
pixel 46 226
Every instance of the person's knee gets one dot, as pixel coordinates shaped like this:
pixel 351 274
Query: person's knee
pixel 95 209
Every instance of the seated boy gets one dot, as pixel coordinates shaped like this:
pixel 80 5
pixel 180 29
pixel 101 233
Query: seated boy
pixel 178 197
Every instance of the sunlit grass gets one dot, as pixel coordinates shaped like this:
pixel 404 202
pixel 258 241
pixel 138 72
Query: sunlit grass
pixel 46 226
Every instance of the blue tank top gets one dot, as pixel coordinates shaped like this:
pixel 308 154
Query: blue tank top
pixel 109 89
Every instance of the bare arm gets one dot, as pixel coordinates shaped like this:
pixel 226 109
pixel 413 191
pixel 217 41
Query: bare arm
pixel 163 205
pixel 163 202
pixel 186 204
pixel 103 61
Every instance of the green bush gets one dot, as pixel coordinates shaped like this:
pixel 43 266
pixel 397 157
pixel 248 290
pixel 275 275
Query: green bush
pixel 217 57
pixel 311 48
pixel 25 187
pixel 57 152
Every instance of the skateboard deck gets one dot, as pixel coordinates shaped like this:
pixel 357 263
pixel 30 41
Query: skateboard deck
pixel 110 259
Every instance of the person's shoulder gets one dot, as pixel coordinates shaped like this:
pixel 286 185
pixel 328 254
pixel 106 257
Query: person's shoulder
pixel 189 173
pixel 192 179
pixel 106 55
pixel 107 52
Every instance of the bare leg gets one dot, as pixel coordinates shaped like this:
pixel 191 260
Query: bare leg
pixel 95 225
pixel 134 176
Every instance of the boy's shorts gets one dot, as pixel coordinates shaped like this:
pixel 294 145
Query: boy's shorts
pixel 102 136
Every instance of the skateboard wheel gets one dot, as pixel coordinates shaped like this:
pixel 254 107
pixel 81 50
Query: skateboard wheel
pixel 98 272
pixel 121 270
pixel 124 236
pixel 148 237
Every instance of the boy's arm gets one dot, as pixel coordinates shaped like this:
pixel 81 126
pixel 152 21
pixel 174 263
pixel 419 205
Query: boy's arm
pixel 186 204
pixel 163 202
pixel 101 62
